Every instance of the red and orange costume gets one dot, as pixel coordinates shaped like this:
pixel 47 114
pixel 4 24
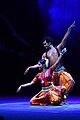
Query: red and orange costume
pixel 61 77
pixel 49 94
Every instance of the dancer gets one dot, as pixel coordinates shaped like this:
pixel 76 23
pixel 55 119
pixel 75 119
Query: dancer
pixel 60 76
pixel 50 94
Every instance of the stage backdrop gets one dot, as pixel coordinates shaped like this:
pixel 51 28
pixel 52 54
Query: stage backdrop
pixel 23 25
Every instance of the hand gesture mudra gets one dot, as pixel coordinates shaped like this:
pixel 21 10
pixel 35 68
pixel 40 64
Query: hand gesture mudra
pixel 26 71
pixel 19 89
pixel 72 25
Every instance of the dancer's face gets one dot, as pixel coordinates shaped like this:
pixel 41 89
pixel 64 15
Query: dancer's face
pixel 46 45
pixel 40 66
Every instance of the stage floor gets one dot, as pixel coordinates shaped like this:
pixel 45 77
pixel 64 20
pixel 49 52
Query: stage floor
pixel 19 108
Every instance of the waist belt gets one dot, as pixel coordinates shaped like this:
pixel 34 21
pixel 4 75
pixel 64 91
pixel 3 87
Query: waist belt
pixel 59 69
pixel 47 87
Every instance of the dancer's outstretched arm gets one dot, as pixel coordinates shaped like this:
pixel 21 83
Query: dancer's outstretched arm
pixel 25 85
pixel 63 42
pixel 31 67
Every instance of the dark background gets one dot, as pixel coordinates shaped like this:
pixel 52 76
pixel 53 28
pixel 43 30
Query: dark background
pixel 23 25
